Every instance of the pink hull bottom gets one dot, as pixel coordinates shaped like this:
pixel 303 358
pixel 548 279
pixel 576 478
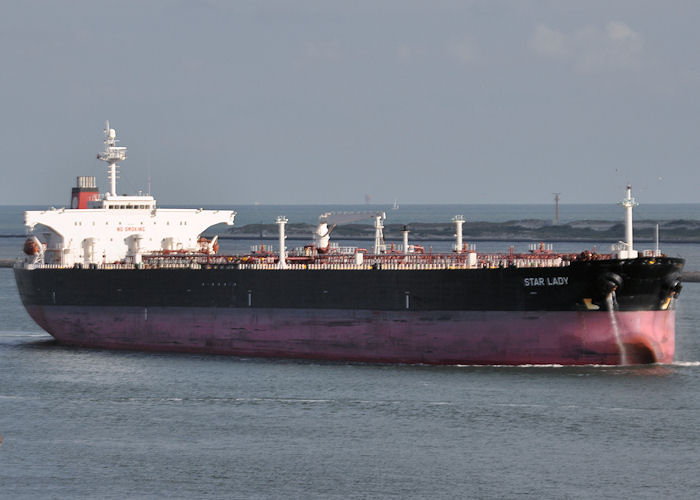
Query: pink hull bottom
pixel 436 337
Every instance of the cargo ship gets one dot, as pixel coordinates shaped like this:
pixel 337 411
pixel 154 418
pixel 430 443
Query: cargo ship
pixel 119 272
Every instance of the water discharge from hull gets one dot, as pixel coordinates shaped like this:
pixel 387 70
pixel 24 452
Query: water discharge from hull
pixel 610 301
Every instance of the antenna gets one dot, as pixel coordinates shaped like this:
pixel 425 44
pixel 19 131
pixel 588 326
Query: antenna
pixel 148 192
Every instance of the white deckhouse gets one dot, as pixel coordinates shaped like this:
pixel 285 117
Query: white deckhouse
pixel 115 229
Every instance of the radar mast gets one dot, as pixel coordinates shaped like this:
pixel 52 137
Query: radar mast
pixel 112 155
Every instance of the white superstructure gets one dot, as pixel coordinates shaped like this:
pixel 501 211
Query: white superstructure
pixel 117 228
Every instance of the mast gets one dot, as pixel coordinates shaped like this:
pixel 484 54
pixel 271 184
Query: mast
pixel 379 246
pixel 629 203
pixel 281 221
pixel 458 220
pixel 656 239
pixel 112 155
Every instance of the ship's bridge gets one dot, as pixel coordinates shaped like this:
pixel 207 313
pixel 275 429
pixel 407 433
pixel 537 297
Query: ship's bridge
pixel 124 203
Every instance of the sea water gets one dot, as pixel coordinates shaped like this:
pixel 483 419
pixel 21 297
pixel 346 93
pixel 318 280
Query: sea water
pixel 89 423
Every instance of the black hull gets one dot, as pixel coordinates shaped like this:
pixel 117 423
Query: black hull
pixel 641 284
pixel 560 315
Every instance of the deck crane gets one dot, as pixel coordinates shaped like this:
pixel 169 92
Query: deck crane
pixel 322 235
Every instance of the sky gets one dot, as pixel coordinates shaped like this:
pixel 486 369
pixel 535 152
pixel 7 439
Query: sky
pixel 320 102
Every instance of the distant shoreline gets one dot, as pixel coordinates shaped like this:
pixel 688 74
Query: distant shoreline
pixel 604 231
pixel 676 231
pixel 499 238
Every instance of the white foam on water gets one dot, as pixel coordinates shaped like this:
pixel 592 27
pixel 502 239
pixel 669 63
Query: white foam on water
pixel 521 405
pixel 23 334
pixel 552 365
pixel 546 365
pixel 685 363
pixel 292 400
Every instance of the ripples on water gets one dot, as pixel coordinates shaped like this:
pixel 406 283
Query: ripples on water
pixel 92 423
